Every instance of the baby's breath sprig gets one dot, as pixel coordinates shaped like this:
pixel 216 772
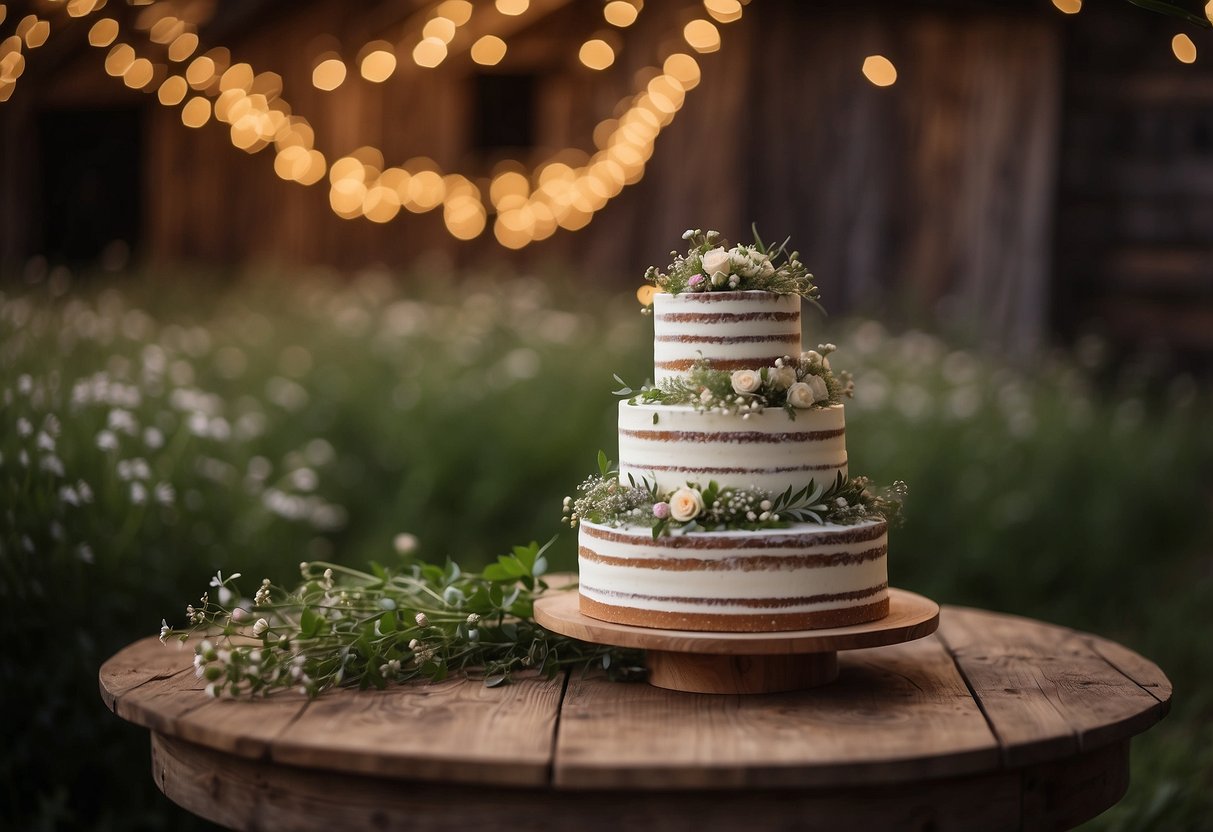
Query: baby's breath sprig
pixel 343 626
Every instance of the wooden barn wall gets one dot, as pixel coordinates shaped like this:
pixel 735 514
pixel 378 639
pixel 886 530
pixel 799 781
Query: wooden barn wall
pixel 934 194
pixel 1135 201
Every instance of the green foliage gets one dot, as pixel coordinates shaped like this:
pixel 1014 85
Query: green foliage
pixel 356 410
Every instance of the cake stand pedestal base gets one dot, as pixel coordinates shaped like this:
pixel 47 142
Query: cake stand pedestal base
pixel 713 673
pixel 698 662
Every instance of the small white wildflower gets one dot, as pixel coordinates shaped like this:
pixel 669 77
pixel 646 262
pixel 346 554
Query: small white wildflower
pixel 153 438
pixel 85 553
pixel 25 384
pixel 212 691
pixel 406 543
pixel 473 618
pixel 751 516
pixel 165 629
pixel 24 428
pixel 107 441
pixel 765 505
pixel 68 495
pixel 841 502
pixel 414 644
pixel 255 656
pixel 45 442
pixel 85 492
pixel 241 616
pixel 422 620
pixel 138 493
pixel 164 493
pixel 259 627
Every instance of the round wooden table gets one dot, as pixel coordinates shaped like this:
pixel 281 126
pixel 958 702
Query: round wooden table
pixel 994 722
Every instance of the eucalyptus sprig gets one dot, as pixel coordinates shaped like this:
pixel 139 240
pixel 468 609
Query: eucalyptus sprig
pixel 342 626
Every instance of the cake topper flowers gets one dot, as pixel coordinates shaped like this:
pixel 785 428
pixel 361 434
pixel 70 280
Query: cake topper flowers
pixel 712 264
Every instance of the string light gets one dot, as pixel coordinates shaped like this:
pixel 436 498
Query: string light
pixel 563 193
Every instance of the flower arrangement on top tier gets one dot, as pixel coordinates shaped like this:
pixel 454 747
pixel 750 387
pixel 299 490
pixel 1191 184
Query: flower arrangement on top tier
pixel 793 383
pixel 711 264
pixel 607 500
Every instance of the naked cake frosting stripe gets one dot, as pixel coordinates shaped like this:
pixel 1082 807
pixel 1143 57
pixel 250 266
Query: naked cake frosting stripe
pixel 768 450
pixel 732 330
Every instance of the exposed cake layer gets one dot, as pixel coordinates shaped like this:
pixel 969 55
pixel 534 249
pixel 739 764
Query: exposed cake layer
pixel 802 577
pixel 733 330
pixel 767 450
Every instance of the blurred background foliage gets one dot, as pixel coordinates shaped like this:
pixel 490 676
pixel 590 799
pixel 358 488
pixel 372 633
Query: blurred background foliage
pixel 151 434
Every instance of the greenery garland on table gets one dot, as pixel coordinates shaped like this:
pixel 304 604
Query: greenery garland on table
pixel 342 626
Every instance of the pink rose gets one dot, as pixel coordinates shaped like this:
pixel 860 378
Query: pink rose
pixel 695 280
pixel 661 510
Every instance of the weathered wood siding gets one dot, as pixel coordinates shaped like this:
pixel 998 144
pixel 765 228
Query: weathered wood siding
pixel 934 194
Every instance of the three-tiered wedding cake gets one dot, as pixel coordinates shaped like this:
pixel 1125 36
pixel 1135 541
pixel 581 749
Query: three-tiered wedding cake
pixel 731 508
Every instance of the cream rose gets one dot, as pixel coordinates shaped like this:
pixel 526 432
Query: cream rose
pixel 799 395
pixel 782 377
pixel 716 262
pixel 818 385
pixel 747 382
pixel 686 504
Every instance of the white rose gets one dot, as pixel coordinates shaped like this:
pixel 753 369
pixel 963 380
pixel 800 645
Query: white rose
pixel 747 382
pixel 686 504
pixel 716 262
pixel 782 377
pixel 800 395
pixel 818 385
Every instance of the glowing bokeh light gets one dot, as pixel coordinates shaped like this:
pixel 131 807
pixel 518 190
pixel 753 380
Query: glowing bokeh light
pixel 103 32
pixel 879 70
pixel 379 63
pixel 172 91
pixel 457 11
pixel 442 28
pixel 488 50
pixel 429 52
pixel 596 54
pixel 513 7
pixel 620 13
pixel 329 74
pixel 1183 48
pixel 725 11
pixel 1068 6
pixel 183 46
pixel 196 112
pixel 702 35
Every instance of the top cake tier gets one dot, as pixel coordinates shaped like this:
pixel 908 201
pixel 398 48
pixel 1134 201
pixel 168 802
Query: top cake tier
pixel 732 330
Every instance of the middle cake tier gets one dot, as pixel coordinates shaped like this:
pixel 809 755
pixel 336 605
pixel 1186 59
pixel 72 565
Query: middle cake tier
pixel 676 444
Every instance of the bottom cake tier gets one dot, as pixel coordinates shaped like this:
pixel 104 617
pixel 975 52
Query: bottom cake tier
pixel 802 577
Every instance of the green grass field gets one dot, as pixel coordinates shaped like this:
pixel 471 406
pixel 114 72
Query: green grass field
pixel 157 428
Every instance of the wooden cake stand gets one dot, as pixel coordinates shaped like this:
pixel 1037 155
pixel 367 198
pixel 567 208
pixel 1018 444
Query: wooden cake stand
pixel 742 662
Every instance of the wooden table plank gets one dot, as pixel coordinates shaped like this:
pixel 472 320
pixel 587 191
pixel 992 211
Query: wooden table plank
pixel 139 663
pixel 1141 670
pixel 457 731
pixel 896 713
pixel 1046 692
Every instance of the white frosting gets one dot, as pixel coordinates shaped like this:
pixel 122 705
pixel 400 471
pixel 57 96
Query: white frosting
pixel 750 327
pixel 686 445
pixel 642 584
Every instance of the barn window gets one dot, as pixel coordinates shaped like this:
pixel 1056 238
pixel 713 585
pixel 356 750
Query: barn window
pixel 505 112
